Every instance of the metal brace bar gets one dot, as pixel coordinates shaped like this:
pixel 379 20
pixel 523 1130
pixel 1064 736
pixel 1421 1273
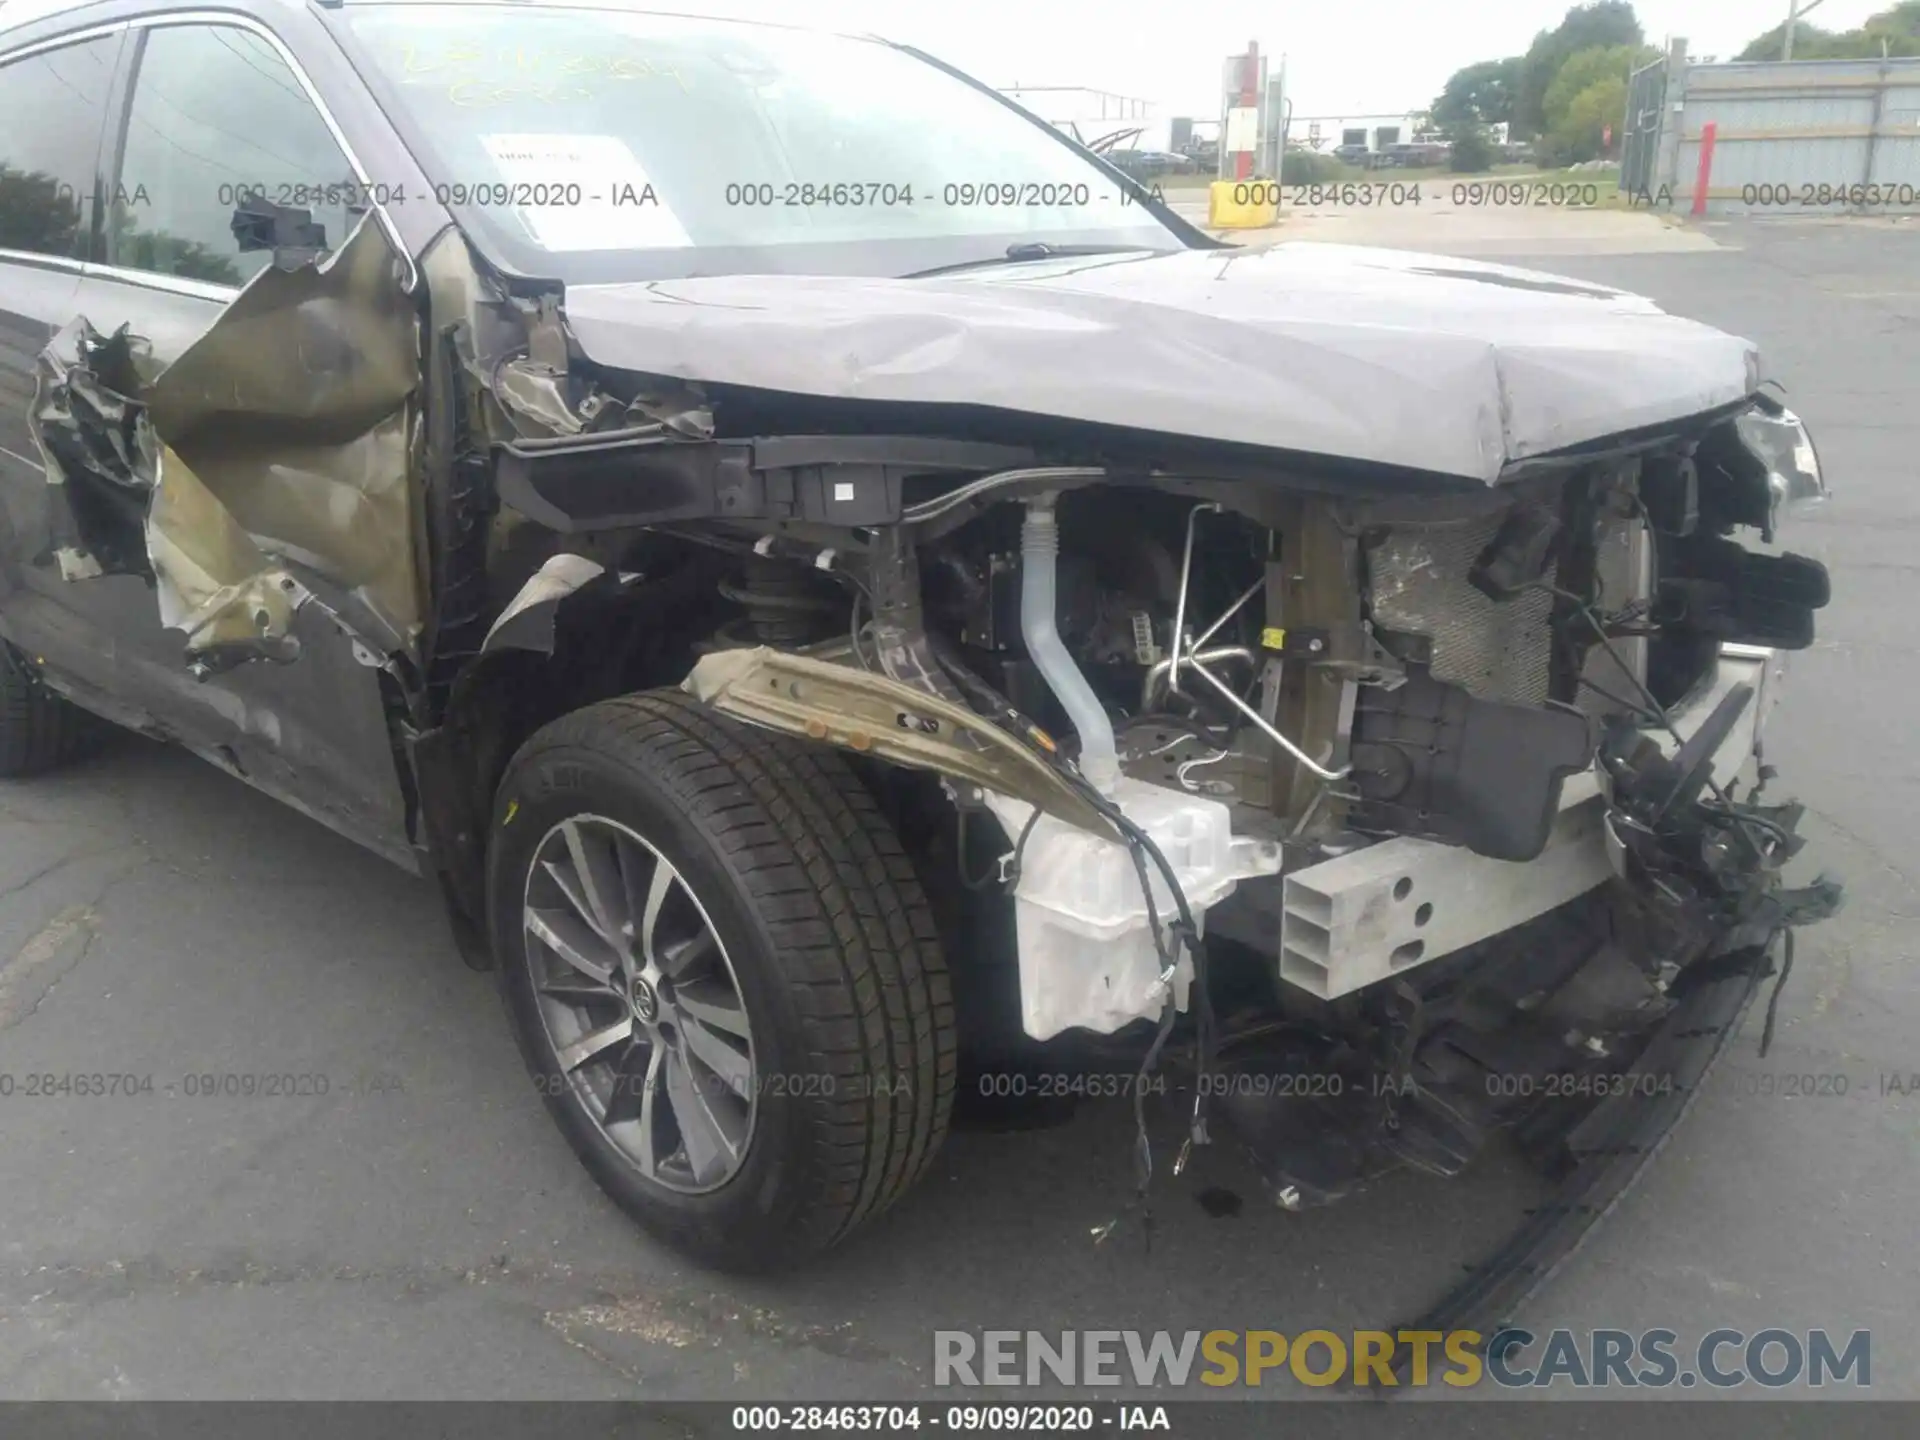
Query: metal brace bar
pixel 1181 656
pixel 1180 604
pixel 1228 614
pixel 1272 734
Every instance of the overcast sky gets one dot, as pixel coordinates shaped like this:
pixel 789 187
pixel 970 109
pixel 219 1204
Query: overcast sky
pixel 1343 56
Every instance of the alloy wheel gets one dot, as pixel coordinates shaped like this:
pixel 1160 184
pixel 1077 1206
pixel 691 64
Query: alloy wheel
pixel 640 1002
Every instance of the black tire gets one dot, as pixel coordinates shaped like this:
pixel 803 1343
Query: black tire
pixel 38 729
pixel 829 935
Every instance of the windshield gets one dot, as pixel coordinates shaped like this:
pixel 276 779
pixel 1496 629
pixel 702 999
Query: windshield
pixel 609 143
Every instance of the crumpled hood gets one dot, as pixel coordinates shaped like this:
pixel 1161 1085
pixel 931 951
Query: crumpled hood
pixel 1424 361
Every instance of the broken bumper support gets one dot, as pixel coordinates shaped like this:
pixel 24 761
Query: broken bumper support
pixel 1377 912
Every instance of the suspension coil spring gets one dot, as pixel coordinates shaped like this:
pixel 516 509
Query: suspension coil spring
pixel 786 605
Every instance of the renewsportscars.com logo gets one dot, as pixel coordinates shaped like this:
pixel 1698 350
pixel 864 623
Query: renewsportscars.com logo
pixel 1512 1358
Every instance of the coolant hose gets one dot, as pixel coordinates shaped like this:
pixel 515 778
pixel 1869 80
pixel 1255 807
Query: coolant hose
pixel 1039 600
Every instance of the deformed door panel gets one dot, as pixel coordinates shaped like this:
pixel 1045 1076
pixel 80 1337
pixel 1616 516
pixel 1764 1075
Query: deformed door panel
pixel 87 573
pixel 253 669
pixel 31 297
pixel 314 733
pixel 53 108
pixel 229 410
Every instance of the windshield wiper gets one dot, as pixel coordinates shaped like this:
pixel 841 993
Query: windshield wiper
pixel 1033 250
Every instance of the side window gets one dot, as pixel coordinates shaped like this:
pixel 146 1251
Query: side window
pixel 52 106
pixel 216 115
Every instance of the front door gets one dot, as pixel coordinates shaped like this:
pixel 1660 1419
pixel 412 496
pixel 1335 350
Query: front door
pixel 214 115
pixel 53 108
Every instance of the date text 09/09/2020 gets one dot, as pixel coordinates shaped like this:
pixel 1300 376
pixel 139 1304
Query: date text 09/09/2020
pixel 528 194
pixel 957 1419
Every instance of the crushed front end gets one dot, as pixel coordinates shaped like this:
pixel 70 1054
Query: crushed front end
pixel 1402 812
pixel 1549 880
pixel 1460 799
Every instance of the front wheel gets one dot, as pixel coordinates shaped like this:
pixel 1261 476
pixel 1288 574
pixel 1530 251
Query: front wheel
pixel 723 974
pixel 38 729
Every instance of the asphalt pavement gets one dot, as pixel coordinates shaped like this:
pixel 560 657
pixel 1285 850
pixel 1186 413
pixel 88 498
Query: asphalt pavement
pixel 406 1222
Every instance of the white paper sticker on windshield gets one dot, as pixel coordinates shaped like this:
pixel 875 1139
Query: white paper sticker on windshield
pixel 580 192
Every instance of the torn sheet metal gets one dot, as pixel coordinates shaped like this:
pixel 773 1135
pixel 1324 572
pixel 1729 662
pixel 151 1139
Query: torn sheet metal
pixel 281 437
pixel 89 431
pixel 543 401
pixel 215 583
pixel 873 715
pixel 294 411
pixel 518 363
pixel 1424 361
pixel 528 621
pixel 537 393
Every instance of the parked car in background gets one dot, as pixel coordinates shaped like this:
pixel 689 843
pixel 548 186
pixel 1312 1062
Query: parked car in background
pixel 1152 164
pixel 1421 154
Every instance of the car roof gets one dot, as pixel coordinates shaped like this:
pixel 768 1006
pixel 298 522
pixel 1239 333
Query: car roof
pixel 17 14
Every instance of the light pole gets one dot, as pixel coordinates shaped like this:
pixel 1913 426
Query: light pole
pixel 1794 11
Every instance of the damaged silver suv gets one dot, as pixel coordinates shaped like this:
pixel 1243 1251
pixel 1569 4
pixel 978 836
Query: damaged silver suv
pixel 851 599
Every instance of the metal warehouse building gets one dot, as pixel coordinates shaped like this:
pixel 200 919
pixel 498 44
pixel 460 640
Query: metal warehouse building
pixel 1796 137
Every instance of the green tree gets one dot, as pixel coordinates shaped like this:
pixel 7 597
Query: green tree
pixel 1479 94
pixel 1898 28
pixel 1577 134
pixel 1602 25
pixel 1472 151
pixel 1809 43
pixel 1903 20
pixel 1585 69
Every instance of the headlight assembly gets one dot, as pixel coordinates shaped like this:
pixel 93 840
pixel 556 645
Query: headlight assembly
pixel 1778 439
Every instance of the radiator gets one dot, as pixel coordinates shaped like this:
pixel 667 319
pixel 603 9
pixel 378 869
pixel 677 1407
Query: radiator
pixel 1493 649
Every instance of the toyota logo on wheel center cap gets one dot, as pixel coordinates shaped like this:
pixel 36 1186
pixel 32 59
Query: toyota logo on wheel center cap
pixel 646 1004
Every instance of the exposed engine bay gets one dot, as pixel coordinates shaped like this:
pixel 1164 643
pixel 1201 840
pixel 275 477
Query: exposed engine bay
pixel 1425 793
